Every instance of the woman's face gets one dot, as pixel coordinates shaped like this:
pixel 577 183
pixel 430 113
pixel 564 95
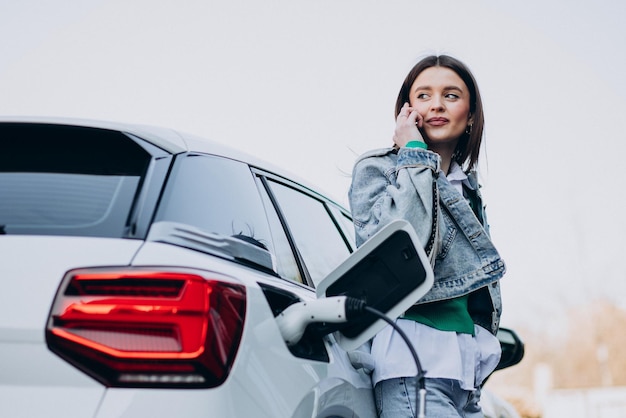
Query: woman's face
pixel 443 101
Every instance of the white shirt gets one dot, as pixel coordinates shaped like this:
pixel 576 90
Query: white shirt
pixel 457 177
pixel 442 354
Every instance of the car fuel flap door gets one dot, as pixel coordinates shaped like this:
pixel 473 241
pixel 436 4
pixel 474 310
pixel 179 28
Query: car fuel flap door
pixel 390 272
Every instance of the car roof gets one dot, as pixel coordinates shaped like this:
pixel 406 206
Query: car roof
pixel 170 140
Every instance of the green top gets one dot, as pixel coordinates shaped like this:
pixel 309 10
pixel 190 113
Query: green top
pixel 445 315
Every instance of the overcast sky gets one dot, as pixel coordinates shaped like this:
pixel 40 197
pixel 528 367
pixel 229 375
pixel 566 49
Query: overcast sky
pixel 310 84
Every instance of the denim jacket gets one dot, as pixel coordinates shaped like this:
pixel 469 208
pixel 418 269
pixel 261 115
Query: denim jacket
pixel 389 184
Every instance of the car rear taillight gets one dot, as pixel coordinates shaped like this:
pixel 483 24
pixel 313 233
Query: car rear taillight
pixel 148 327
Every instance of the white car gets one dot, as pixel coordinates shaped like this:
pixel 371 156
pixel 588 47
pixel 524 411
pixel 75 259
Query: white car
pixel 147 273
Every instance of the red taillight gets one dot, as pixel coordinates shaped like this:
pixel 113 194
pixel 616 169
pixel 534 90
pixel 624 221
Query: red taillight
pixel 147 328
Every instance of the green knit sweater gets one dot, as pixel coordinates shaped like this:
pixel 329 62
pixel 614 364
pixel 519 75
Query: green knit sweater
pixel 445 315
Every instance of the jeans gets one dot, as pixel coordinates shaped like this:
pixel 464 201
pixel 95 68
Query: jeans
pixel 396 398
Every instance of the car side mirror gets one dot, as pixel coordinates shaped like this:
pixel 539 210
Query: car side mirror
pixel 389 272
pixel 512 348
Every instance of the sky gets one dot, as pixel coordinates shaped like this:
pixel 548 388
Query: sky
pixel 310 84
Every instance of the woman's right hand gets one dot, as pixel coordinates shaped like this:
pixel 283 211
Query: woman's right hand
pixel 408 123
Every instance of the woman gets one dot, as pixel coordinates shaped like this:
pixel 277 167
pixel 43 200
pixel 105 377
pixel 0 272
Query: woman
pixel 428 178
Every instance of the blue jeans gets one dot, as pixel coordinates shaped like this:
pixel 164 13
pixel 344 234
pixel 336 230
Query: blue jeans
pixel 395 398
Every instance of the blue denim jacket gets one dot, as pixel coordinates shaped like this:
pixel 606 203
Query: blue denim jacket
pixel 389 184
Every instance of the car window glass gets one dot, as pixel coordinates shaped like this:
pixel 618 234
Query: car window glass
pixel 345 223
pixel 318 240
pixel 65 180
pixel 286 265
pixel 217 195
pixel 59 203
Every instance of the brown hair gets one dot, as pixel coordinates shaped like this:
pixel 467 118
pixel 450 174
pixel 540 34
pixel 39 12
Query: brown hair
pixel 468 149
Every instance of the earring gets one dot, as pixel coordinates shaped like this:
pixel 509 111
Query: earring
pixel 468 130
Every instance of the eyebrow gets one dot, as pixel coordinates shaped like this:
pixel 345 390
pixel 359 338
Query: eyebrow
pixel 445 88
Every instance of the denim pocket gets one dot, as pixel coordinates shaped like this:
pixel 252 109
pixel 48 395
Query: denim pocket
pixel 448 232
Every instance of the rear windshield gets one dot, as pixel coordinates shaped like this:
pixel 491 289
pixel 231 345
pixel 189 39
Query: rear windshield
pixel 64 180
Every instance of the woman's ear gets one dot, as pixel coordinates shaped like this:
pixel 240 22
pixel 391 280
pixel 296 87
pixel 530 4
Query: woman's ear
pixel 470 124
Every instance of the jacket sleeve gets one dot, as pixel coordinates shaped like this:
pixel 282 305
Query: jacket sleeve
pixel 385 188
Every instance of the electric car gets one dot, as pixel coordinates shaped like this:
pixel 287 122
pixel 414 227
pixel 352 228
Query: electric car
pixel 151 273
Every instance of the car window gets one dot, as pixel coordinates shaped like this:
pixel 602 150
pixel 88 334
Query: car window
pixel 216 195
pixel 345 223
pixel 286 263
pixel 65 180
pixel 319 242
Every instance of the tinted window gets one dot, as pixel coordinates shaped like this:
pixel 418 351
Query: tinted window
pixel 63 180
pixel 345 223
pixel 217 195
pixel 319 242
pixel 286 264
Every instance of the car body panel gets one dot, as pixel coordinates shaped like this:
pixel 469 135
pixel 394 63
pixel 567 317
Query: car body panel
pixel 36 383
pixel 304 385
pixel 32 378
pixel 33 267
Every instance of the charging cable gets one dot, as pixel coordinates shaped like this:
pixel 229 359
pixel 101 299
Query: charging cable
pixel 421 373
pixel 293 321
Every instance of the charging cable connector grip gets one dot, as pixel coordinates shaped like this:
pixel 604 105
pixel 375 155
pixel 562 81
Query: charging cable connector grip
pixel 292 322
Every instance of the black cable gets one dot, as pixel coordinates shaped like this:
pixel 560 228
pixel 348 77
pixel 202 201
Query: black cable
pixel 354 305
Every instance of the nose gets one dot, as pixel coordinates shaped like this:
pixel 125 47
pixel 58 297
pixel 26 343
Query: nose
pixel 436 103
